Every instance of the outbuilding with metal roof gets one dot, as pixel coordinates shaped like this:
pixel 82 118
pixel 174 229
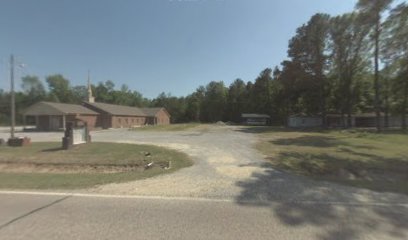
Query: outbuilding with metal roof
pixel 255 119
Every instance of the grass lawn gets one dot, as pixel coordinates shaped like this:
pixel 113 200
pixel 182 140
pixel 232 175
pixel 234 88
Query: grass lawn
pixel 172 127
pixel 46 166
pixel 377 161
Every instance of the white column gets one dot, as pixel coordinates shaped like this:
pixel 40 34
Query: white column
pixel 63 122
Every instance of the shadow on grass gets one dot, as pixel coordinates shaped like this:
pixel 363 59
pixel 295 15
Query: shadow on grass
pixel 277 129
pixel 374 131
pixel 309 141
pixel 399 162
pixel 271 129
pixel 316 141
pixel 379 174
pixel 56 149
pixel 334 211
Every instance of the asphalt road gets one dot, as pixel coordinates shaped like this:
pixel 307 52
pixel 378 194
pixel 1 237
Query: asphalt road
pixel 26 216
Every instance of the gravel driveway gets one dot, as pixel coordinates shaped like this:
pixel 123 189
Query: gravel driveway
pixel 226 167
pixel 222 157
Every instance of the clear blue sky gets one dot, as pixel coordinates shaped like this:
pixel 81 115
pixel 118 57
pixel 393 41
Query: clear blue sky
pixel 152 46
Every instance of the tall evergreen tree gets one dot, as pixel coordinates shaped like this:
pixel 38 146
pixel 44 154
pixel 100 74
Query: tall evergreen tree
pixel 396 54
pixel 308 49
pixel 262 92
pixel 213 106
pixel 372 10
pixel 236 100
pixel 348 36
pixel 194 105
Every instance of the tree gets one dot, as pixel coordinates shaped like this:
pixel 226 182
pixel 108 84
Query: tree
pixel 104 92
pixel 386 77
pixel 193 105
pixel 236 100
pixel 60 88
pixel 79 94
pixel 250 103
pixel 371 10
pixel 4 107
pixel 123 97
pixel 348 36
pixel 175 106
pixel 308 50
pixel 215 98
pixel 396 54
pixel 290 90
pixel 262 91
pixel 33 89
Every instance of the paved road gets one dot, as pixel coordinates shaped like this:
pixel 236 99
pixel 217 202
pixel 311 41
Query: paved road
pixel 91 217
pixel 243 194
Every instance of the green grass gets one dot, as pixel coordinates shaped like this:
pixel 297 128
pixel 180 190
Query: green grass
pixel 361 158
pixel 94 154
pixel 171 127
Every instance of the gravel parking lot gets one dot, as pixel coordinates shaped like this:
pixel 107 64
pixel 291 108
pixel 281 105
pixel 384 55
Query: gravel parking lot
pixel 226 167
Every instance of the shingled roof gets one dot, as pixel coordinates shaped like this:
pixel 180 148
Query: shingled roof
pixel 152 112
pixel 51 108
pixel 118 110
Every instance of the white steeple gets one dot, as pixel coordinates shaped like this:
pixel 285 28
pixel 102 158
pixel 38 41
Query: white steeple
pixel 91 98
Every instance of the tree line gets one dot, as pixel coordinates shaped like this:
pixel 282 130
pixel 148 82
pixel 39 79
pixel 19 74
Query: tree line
pixel 353 63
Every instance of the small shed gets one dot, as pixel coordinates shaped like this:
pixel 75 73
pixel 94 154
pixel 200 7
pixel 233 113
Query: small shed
pixel 50 116
pixel 302 121
pixel 255 119
pixel 369 120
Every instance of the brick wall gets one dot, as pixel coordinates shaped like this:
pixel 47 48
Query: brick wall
pixel 104 121
pixel 89 119
pixel 162 118
pixel 127 121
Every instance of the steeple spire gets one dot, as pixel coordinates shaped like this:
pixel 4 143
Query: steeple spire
pixel 91 99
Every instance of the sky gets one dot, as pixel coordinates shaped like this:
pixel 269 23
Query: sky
pixel 153 46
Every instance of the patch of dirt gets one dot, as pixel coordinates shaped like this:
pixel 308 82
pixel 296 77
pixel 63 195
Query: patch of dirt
pixel 66 168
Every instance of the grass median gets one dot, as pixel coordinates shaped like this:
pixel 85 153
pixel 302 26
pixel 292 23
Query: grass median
pixel 47 166
pixel 361 158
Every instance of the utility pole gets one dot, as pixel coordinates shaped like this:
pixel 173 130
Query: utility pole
pixel 13 104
